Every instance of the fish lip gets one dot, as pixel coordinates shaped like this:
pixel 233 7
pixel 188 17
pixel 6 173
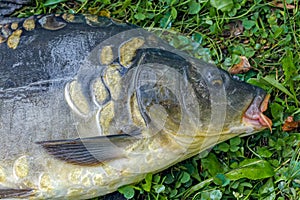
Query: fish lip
pixel 254 113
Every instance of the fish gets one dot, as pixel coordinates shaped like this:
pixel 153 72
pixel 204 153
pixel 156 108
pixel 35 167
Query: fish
pixel 7 7
pixel 88 105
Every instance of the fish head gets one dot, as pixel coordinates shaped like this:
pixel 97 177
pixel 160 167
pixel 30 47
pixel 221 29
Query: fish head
pixel 189 105
pixel 246 104
pixel 195 97
pixel 229 106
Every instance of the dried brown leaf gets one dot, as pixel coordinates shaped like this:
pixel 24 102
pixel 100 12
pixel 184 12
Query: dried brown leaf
pixel 281 5
pixel 234 29
pixel 290 124
pixel 241 67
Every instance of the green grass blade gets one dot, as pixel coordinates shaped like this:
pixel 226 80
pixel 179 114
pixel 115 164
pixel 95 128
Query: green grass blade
pixel 279 86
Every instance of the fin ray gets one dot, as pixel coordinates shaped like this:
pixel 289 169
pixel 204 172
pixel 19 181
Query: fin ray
pixel 15 193
pixel 89 151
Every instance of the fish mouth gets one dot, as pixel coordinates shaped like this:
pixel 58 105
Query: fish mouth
pixel 254 114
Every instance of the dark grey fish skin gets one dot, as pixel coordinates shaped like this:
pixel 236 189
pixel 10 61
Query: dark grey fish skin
pixel 45 55
pixel 7 7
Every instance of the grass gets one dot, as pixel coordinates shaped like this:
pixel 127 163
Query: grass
pixel 263 166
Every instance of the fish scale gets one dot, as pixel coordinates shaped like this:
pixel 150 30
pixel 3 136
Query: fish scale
pixel 88 105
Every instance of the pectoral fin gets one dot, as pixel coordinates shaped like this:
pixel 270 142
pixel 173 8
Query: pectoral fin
pixel 89 151
pixel 15 193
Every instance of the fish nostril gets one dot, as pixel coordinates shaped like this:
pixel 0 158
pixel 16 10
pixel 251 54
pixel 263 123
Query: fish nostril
pixel 215 77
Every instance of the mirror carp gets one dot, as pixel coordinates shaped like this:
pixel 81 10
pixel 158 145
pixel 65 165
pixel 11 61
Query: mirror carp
pixel 88 105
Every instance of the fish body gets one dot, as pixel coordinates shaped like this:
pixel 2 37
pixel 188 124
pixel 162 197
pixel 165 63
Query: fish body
pixel 88 105
pixel 9 6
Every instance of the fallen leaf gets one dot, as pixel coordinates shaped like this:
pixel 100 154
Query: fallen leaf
pixel 290 124
pixel 104 13
pixel 246 41
pixel 281 5
pixel 241 67
pixel 235 29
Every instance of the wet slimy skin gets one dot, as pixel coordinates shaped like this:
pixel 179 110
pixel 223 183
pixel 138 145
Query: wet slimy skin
pixel 88 105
